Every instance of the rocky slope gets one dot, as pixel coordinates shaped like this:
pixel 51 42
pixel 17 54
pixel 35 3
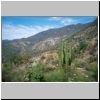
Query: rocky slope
pixel 40 42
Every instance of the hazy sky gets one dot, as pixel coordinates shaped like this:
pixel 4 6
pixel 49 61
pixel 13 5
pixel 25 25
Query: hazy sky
pixel 22 27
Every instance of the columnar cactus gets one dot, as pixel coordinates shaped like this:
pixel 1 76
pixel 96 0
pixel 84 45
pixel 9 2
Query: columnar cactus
pixel 65 56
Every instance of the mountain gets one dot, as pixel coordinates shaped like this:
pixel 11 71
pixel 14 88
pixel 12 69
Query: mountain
pixel 42 41
pixel 62 54
pixel 39 42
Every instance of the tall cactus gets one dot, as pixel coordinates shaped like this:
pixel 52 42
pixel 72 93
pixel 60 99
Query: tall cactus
pixel 65 56
pixel 60 53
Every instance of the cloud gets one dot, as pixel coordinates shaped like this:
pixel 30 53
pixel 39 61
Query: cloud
pixel 10 31
pixel 55 18
pixel 64 20
pixel 68 21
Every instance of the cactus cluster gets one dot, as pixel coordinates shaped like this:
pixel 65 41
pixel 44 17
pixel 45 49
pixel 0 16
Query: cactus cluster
pixel 65 56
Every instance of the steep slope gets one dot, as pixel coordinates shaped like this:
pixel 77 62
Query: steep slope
pixel 40 42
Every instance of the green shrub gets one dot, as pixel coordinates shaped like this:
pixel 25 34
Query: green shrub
pixel 6 72
pixel 83 45
pixel 92 59
pixel 94 70
pixel 35 73
pixel 55 76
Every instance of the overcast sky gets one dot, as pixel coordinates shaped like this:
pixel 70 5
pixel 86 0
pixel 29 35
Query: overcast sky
pixel 23 27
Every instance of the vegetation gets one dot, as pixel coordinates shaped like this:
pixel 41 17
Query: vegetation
pixel 72 59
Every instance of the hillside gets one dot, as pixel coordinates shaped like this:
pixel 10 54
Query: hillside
pixel 65 54
pixel 39 42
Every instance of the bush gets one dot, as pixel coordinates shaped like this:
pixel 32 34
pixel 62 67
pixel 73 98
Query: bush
pixel 83 45
pixel 94 70
pixel 34 74
pixel 92 59
pixel 19 59
pixel 82 64
pixel 10 74
pixel 55 76
pixel 6 72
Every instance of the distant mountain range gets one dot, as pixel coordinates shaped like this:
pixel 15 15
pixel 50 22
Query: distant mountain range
pixel 42 41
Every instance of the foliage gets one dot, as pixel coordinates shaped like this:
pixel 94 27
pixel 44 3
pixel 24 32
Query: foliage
pixel 34 74
pixel 55 76
pixel 82 45
pixel 10 74
pixel 94 70
pixel 17 60
pixel 6 69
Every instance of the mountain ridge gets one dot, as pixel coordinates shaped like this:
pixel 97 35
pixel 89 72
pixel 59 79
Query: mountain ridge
pixel 43 40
